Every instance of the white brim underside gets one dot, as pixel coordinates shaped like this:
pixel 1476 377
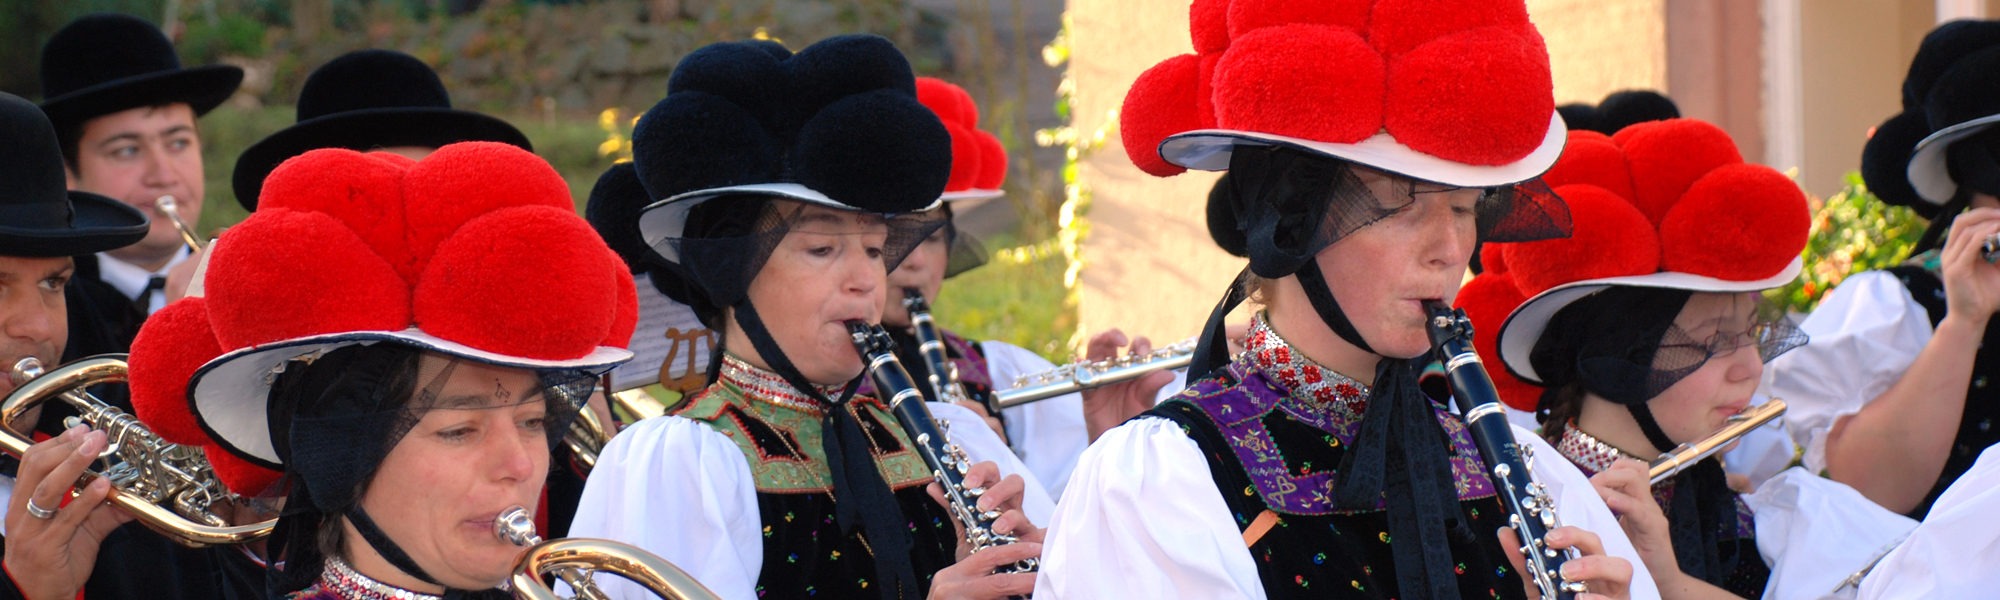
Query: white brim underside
pixel 230 394
pixel 1524 327
pixel 1928 172
pixel 666 220
pixel 1208 150
pixel 972 195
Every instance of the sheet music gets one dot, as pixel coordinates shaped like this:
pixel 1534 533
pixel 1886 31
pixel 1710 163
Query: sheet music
pixel 667 329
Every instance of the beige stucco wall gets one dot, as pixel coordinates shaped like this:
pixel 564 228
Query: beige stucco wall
pixel 1601 46
pixel 1853 55
pixel 1150 268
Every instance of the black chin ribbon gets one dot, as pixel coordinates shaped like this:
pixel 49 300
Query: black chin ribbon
pixel 1702 508
pixel 1329 310
pixel 1214 334
pixel 862 498
pixel 1398 455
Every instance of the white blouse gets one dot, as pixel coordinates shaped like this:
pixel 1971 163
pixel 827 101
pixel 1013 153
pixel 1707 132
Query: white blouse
pixel 1865 334
pixel 679 489
pixel 1143 506
pixel 1955 552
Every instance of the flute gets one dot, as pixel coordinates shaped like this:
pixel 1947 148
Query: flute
pixel 1686 455
pixel 1531 513
pixel 1077 377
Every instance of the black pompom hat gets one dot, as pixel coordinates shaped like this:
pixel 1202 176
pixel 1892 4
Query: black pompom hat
pixel 364 100
pixel 838 124
pixel 1952 92
pixel 108 62
pixel 38 217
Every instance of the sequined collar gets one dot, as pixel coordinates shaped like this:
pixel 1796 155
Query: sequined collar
pixel 1589 454
pixel 344 582
pixel 1321 388
pixel 766 386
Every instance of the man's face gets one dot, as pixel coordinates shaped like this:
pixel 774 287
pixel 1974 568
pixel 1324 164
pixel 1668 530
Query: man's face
pixel 136 156
pixel 34 321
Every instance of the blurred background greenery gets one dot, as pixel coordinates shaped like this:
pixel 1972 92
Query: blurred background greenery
pixel 1852 232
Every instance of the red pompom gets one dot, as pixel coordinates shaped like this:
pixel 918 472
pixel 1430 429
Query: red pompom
pixel 992 162
pixel 173 344
pixel 1738 223
pixel 1668 156
pixel 284 274
pixel 1246 16
pixel 1480 97
pixel 1591 158
pixel 497 285
pixel 1493 257
pixel 625 319
pixel 952 104
pixel 1161 103
pixel 468 179
pixel 965 158
pixel 1610 239
pixel 1487 301
pixel 364 191
pixel 1306 81
pixel 1398 26
pixel 1208 22
pixel 240 475
pixel 1204 91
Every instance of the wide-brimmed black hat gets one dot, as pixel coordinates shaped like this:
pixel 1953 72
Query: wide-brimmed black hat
pixel 1952 92
pixel 38 217
pixel 108 62
pixel 364 100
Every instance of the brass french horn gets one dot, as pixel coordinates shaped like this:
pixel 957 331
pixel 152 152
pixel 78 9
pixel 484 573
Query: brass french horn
pixel 169 487
pixel 576 560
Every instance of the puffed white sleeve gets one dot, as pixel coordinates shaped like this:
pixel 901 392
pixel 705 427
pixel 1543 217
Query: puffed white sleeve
pixel 1579 505
pixel 1814 532
pixel 677 488
pixel 1864 335
pixel 980 444
pixel 1142 519
pixel 1955 551
pixel 1048 435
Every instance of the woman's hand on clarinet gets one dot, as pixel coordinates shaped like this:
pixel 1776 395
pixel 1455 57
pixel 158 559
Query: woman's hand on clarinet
pixel 1608 577
pixel 972 578
pixel 50 555
pixel 1107 406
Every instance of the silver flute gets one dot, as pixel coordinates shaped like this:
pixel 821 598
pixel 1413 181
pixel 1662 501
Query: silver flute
pixel 947 461
pixel 1077 377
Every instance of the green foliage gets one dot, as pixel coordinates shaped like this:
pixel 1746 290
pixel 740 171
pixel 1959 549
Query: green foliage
pixel 228 34
pixel 1022 303
pixel 1852 232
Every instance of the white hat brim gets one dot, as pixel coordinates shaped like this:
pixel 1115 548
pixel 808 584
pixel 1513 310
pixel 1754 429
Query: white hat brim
pixel 230 395
pixel 1524 326
pixel 1928 173
pixel 1209 149
pixel 974 194
pixel 666 220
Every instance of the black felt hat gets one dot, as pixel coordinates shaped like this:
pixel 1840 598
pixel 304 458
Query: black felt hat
pixel 837 124
pixel 108 62
pixel 364 100
pixel 1952 92
pixel 38 217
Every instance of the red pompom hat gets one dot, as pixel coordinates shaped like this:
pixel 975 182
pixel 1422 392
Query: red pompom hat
pixel 1454 92
pixel 474 252
pixel 978 160
pixel 1666 204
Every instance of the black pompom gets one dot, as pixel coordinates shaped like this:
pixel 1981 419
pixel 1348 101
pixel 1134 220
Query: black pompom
pixel 1578 116
pixel 1885 161
pixel 694 141
pixel 876 150
pixel 1970 89
pixel 843 66
pixel 1940 50
pixel 1631 107
pixel 745 74
pixel 613 210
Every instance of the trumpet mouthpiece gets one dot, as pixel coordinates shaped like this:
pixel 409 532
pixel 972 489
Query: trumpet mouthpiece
pixel 516 527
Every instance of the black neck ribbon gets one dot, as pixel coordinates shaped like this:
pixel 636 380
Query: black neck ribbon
pixel 862 498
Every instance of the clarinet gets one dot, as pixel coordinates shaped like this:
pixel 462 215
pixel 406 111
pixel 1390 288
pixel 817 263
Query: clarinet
pixel 1531 513
pixel 944 374
pixel 946 460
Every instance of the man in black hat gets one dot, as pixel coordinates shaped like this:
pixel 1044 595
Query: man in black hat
pixel 369 100
pixel 124 111
pixel 52 550
pixel 1896 394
